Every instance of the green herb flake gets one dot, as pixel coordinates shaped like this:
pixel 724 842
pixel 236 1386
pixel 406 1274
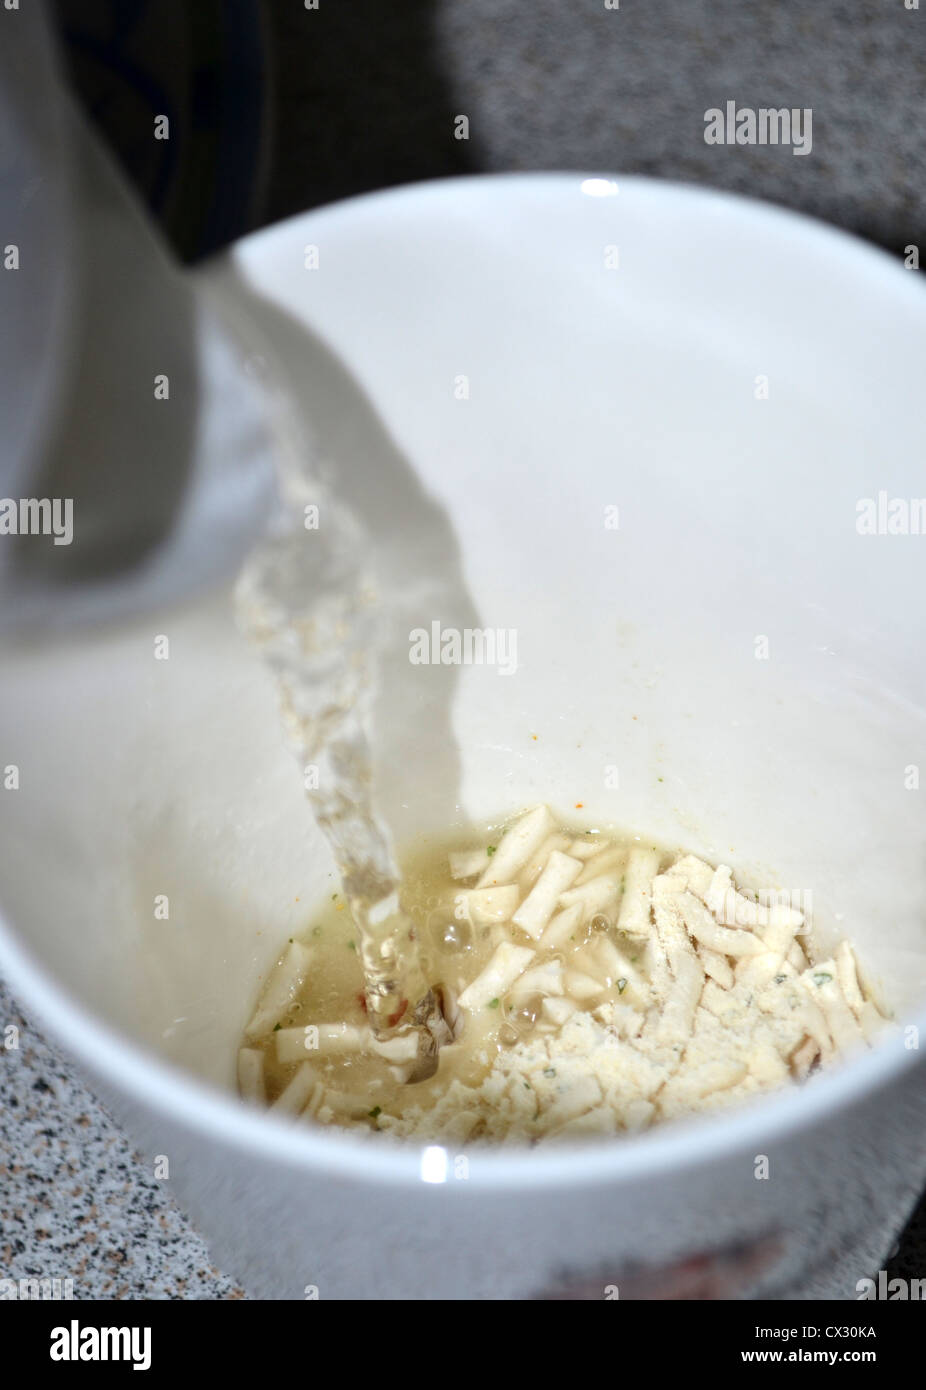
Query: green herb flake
pixel 375 1113
pixel 277 1027
pixel 352 945
pixel 334 897
pixel 490 850
pixel 621 986
pixel 780 979
pixel 549 1071
pixel 493 1004
pixel 316 931
pixel 822 978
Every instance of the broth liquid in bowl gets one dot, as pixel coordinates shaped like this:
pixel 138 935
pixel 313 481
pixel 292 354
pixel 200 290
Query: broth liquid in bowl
pixel 595 985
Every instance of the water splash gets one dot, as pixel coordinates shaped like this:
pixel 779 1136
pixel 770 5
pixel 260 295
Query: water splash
pixel 312 609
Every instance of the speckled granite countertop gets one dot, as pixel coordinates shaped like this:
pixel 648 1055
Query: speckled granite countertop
pixel 544 86
pixel 75 1201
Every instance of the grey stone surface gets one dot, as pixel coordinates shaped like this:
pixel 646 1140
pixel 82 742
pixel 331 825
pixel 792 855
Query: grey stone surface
pixel 568 84
pixel 76 1202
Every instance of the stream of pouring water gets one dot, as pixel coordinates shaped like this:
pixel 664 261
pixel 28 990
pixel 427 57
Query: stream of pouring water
pixel 307 603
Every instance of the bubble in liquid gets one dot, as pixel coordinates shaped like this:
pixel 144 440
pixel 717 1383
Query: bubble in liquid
pixel 600 922
pixel 447 933
pixel 522 1014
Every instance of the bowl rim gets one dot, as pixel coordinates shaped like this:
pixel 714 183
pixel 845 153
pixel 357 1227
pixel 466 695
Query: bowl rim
pixel 145 1079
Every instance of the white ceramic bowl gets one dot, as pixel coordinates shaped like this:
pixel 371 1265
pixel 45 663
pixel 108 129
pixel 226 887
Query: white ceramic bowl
pixel 508 388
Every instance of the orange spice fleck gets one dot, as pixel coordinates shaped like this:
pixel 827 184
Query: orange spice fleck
pixel 393 1019
pixel 579 805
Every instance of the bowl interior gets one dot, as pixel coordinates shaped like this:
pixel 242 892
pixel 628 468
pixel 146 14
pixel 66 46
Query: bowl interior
pixel 625 428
